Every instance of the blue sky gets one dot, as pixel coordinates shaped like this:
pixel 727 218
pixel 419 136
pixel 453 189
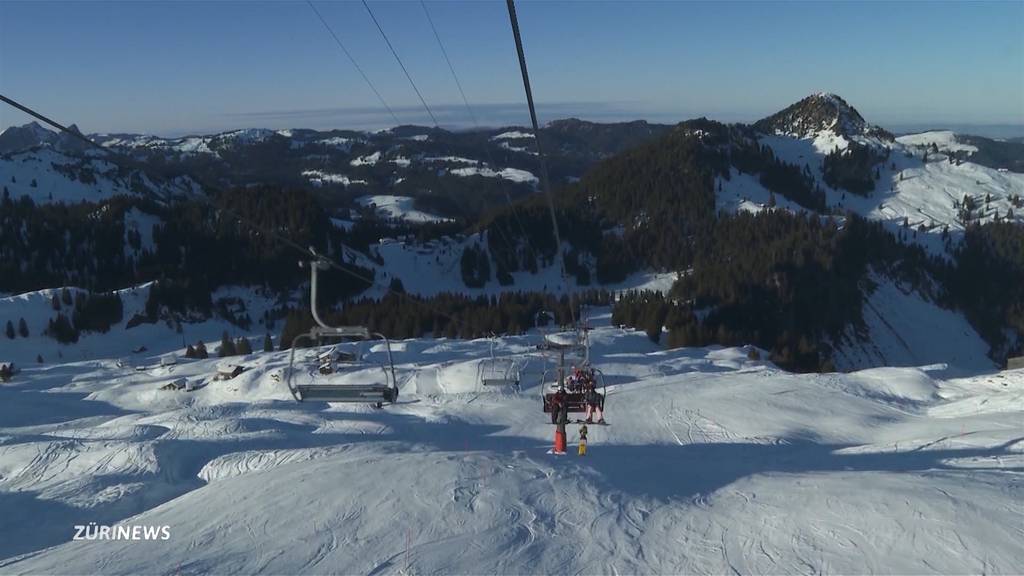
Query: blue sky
pixel 177 67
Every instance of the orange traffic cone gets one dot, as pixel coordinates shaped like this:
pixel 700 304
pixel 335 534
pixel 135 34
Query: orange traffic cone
pixel 559 441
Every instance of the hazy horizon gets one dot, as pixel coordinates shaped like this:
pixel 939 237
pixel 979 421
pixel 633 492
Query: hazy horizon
pixel 172 68
pixel 370 120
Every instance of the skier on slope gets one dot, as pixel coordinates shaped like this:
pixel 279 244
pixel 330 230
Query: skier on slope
pixel 583 440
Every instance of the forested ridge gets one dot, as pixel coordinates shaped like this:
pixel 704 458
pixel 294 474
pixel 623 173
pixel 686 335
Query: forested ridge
pixel 789 283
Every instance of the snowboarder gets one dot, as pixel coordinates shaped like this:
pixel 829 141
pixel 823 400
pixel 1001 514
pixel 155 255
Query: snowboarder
pixel 583 440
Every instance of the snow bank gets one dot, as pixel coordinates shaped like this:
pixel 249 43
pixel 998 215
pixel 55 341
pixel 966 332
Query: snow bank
pixel 898 385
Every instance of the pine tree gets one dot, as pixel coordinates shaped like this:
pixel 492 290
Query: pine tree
pixel 65 296
pixel 39 358
pixel 23 328
pixel 227 347
pixel 10 330
pixel 190 352
pixel 33 183
pixel 243 347
pixel 201 352
pixel 268 343
pixel 55 303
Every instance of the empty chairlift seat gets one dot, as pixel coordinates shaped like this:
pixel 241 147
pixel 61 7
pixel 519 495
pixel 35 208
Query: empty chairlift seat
pixel 332 374
pixel 328 373
pixel 499 371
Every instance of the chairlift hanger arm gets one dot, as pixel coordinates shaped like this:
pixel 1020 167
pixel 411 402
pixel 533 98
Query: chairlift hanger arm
pixel 320 263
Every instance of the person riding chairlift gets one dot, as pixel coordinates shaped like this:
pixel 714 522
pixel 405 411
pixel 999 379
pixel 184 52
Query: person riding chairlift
pixel 594 401
pixel 573 380
pixel 558 402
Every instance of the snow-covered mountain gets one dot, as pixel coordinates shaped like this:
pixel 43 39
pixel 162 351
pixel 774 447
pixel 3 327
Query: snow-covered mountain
pixel 912 466
pixel 15 138
pixel 379 189
pixel 818 113
pixel 919 190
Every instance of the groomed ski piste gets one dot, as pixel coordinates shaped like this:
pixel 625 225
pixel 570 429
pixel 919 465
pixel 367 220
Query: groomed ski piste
pixel 713 463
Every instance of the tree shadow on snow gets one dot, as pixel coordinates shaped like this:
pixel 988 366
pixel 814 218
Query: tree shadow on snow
pixel 674 472
pixel 684 471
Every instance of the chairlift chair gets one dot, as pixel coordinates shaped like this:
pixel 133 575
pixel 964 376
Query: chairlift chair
pixel 562 350
pixel 338 376
pixel 499 372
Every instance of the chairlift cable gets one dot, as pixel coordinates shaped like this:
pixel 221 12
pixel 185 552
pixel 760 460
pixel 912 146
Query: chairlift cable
pixel 476 124
pixel 423 101
pixel 400 64
pixel 355 64
pixel 545 181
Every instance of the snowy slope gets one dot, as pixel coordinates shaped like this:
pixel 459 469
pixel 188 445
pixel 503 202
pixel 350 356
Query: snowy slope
pixel 48 175
pixel 944 140
pixel 905 329
pixel 513 174
pixel 434 268
pixel 914 192
pixel 35 308
pixel 319 178
pixel 744 192
pixel 713 464
pixel 59 178
pixel 398 208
